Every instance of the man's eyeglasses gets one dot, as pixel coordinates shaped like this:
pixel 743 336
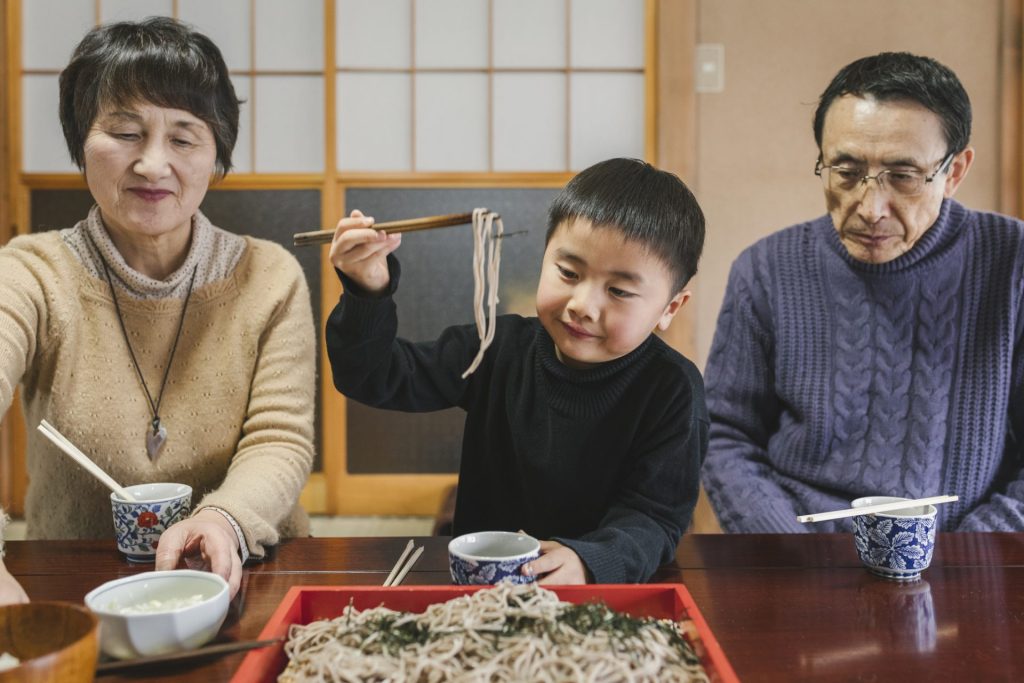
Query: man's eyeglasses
pixel 905 182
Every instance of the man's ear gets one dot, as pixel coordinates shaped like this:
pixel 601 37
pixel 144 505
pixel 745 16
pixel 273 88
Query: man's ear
pixel 958 171
pixel 677 302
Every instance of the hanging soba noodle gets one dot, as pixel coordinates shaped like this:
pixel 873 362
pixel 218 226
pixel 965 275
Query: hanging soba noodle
pixel 505 633
pixel 486 265
pixel 488 231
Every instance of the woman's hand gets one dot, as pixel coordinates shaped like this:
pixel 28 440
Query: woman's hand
pixel 10 590
pixel 361 252
pixel 557 565
pixel 205 541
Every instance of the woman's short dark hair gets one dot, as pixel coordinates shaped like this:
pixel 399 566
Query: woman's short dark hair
pixel 647 205
pixel 159 60
pixel 902 76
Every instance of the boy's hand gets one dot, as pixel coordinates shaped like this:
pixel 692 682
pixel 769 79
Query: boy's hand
pixel 361 252
pixel 557 565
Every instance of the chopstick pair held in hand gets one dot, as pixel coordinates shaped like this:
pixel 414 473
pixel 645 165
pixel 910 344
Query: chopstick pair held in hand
pixel 399 571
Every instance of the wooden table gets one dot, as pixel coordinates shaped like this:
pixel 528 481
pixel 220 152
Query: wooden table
pixel 783 607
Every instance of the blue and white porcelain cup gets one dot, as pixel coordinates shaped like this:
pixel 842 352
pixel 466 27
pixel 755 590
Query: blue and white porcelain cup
pixel 139 523
pixel 898 544
pixel 489 557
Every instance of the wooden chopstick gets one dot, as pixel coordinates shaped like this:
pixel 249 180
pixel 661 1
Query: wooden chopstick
pixel 407 225
pixel 212 650
pixel 72 451
pixel 399 571
pixel 398 565
pixel 872 509
pixel 405 570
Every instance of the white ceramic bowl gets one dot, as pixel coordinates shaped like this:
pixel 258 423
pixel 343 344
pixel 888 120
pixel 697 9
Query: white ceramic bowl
pixel 168 617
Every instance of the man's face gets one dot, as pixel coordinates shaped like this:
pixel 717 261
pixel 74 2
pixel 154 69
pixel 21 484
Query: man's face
pixel 875 223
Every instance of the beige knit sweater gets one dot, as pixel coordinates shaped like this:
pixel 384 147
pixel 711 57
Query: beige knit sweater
pixel 239 401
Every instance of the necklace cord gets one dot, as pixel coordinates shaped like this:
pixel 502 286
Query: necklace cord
pixel 154 405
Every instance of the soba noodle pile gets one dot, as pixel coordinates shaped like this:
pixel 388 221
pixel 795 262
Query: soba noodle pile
pixel 507 633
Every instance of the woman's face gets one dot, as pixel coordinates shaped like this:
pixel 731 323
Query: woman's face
pixel 148 168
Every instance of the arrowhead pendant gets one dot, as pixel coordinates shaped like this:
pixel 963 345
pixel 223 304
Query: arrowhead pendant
pixel 155 439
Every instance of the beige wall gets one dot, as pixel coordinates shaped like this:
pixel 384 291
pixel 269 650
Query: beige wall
pixel 755 146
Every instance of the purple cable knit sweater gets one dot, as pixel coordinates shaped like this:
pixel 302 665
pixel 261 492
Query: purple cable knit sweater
pixel 830 378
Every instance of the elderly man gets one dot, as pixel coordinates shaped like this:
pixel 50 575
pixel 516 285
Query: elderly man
pixel 876 350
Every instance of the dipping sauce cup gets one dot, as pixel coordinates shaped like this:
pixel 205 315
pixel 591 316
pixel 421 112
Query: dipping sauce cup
pixel 139 523
pixel 898 544
pixel 488 557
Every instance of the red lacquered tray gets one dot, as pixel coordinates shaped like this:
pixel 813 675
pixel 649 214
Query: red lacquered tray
pixel 304 604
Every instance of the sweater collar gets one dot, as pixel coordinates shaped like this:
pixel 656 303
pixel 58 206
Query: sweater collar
pixel 935 241
pixel 131 280
pixel 591 391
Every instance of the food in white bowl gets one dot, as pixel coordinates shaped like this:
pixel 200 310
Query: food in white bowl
pixel 159 612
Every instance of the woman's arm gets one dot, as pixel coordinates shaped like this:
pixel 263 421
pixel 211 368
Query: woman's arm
pixel 23 314
pixel 274 454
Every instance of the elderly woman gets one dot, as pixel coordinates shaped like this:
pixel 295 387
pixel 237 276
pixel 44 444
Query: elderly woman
pixel 164 347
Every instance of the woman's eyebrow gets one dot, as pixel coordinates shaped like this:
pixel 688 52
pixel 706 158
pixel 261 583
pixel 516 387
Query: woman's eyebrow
pixel 121 114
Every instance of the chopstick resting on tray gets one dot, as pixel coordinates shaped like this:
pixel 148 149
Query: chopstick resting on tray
pixel 872 509
pixel 399 571
pixel 408 225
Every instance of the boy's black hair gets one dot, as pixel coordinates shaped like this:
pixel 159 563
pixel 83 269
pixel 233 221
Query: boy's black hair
pixel 647 205
pixel 160 61
pixel 903 76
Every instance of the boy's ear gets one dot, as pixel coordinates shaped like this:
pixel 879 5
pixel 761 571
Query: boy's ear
pixel 677 302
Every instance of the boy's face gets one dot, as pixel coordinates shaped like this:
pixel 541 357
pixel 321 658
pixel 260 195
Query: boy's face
pixel 600 296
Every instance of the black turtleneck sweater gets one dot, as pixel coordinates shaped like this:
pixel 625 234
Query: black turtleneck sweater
pixel 604 460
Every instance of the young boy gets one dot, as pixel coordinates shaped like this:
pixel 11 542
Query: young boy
pixel 582 426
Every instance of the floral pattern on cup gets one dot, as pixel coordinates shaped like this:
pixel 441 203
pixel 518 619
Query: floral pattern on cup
pixel 895 547
pixel 470 572
pixel 138 524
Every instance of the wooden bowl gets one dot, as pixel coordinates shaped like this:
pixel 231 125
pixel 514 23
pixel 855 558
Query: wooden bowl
pixel 55 641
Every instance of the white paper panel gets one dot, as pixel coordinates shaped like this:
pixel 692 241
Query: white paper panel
pixel 529 136
pixel 375 34
pixel 290 35
pixel 451 33
pixel 289 120
pixel 529 33
pixel 607 33
pixel 451 122
pixel 374 124
pixel 607 117
pixel 242 156
pixel 225 22
pixel 42 141
pixel 133 10
pixel 51 29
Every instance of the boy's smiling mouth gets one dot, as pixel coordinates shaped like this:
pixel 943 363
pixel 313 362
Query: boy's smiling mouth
pixel 577 332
